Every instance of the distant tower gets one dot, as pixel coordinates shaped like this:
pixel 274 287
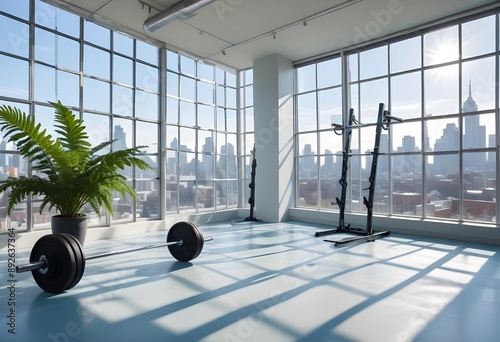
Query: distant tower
pixel 121 139
pixel 474 134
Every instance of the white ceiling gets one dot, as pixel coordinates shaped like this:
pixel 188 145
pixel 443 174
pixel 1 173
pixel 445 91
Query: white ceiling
pixel 249 29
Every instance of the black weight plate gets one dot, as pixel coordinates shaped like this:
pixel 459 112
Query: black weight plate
pixel 79 258
pixel 61 271
pixel 192 241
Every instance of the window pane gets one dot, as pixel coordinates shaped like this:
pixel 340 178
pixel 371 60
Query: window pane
pixel 123 70
pixel 45 14
pixel 329 73
pixel 45 46
pixel 330 143
pixel 147 52
pixel 68 23
pixel 205 71
pixel 406 95
pixel 172 84
pixel 187 88
pixel 478 37
pixel 231 120
pixel 187 139
pixel 478 84
pixel 172 61
pixel 188 66
pixel 373 62
pixel 172 110
pixel 231 97
pixel 442 134
pixel 249 120
pixel 123 44
pixel 406 54
pixel 407 137
pixel 68 53
pixel 172 137
pixel 307 143
pixel 146 105
pixel 122 101
pixel 45 83
pixel 95 95
pixel 206 117
pixel 147 134
pixel 68 88
pixel 442 186
pixel 330 107
pixel 308 183
pixel 122 133
pixel 306 112
pixel 372 93
pixel 248 96
pixel 96 34
pixel 441 90
pixel 479 132
pixel 19 8
pixel 14 35
pixel 306 78
pixel 205 92
pixel 187 114
pixel 97 127
pixel 90 67
pixel 479 185
pixel 146 77
pixel 441 46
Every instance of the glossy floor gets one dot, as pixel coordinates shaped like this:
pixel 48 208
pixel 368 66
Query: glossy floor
pixel 268 282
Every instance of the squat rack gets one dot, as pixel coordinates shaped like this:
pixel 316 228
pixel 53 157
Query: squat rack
pixel 368 234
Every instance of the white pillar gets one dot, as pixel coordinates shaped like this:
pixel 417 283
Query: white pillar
pixel 273 124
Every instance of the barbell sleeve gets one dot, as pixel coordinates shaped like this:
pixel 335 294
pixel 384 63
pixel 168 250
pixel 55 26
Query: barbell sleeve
pixel 35 265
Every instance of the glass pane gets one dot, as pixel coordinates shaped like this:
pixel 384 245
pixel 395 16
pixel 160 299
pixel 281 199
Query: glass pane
pixel 306 78
pixel 306 112
pixel 221 119
pixel 45 83
pixel 96 95
pixel 352 68
pixel 45 14
pixel 205 71
pixel 45 46
pixel 205 92
pixel 187 139
pixel 441 90
pixel 406 95
pixel 478 37
pixel 14 35
pixel 19 8
pixel 123 70
pixel 90 67
pixel 478 84
pixel 372 93
pixel 330 107
pixel 441 46
pixel 187 114
pixel 206 117
pixel 147 52
pixel 147 134
pixel 68 88
pixel 67 23
pixel 329 185
pixel 148 200
pixel 407 196
pixel 308 182
pixel 407 137
pixel 172 61
pixel 373 62
pixel 231 97
pixel 171 183
pixel 146 105
pixel 123 44
pixel 172 137
pixel 479 132
pixel 146 77
pixel 329 73
pixel 441 135
pixel 122 101
pixel 231 120
pixel 205 142
pixel 406 55
pixel 248 96
pixel 97 127
pixel 230 79
pixel 479 185
pixel 96 34
pixel 307 143
pixel 123 134
pixel 172 84
pixel 249 120
pixel 68 53
pixel 188 88
pixel 188 66
pixel 329 142
pixel 443 186
pixel 172 110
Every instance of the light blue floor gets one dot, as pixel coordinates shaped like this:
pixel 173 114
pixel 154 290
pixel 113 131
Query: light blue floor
pixel 268 282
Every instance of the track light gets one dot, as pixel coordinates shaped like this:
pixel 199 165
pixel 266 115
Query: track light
pixel 304 23
pixel 223 52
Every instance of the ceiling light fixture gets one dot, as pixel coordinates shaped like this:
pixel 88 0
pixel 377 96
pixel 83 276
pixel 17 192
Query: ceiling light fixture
pixel 304 23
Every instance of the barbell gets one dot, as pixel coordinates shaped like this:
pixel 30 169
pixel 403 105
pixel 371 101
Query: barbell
pixel 57 261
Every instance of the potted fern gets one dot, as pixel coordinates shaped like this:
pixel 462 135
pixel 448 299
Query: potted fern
pixel 68 172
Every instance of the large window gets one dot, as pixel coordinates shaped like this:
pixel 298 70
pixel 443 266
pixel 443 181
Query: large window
pixel 201 128
pixel 440 162
pixel 117 97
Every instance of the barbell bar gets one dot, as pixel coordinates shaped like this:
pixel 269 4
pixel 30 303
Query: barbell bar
pixel 57 261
